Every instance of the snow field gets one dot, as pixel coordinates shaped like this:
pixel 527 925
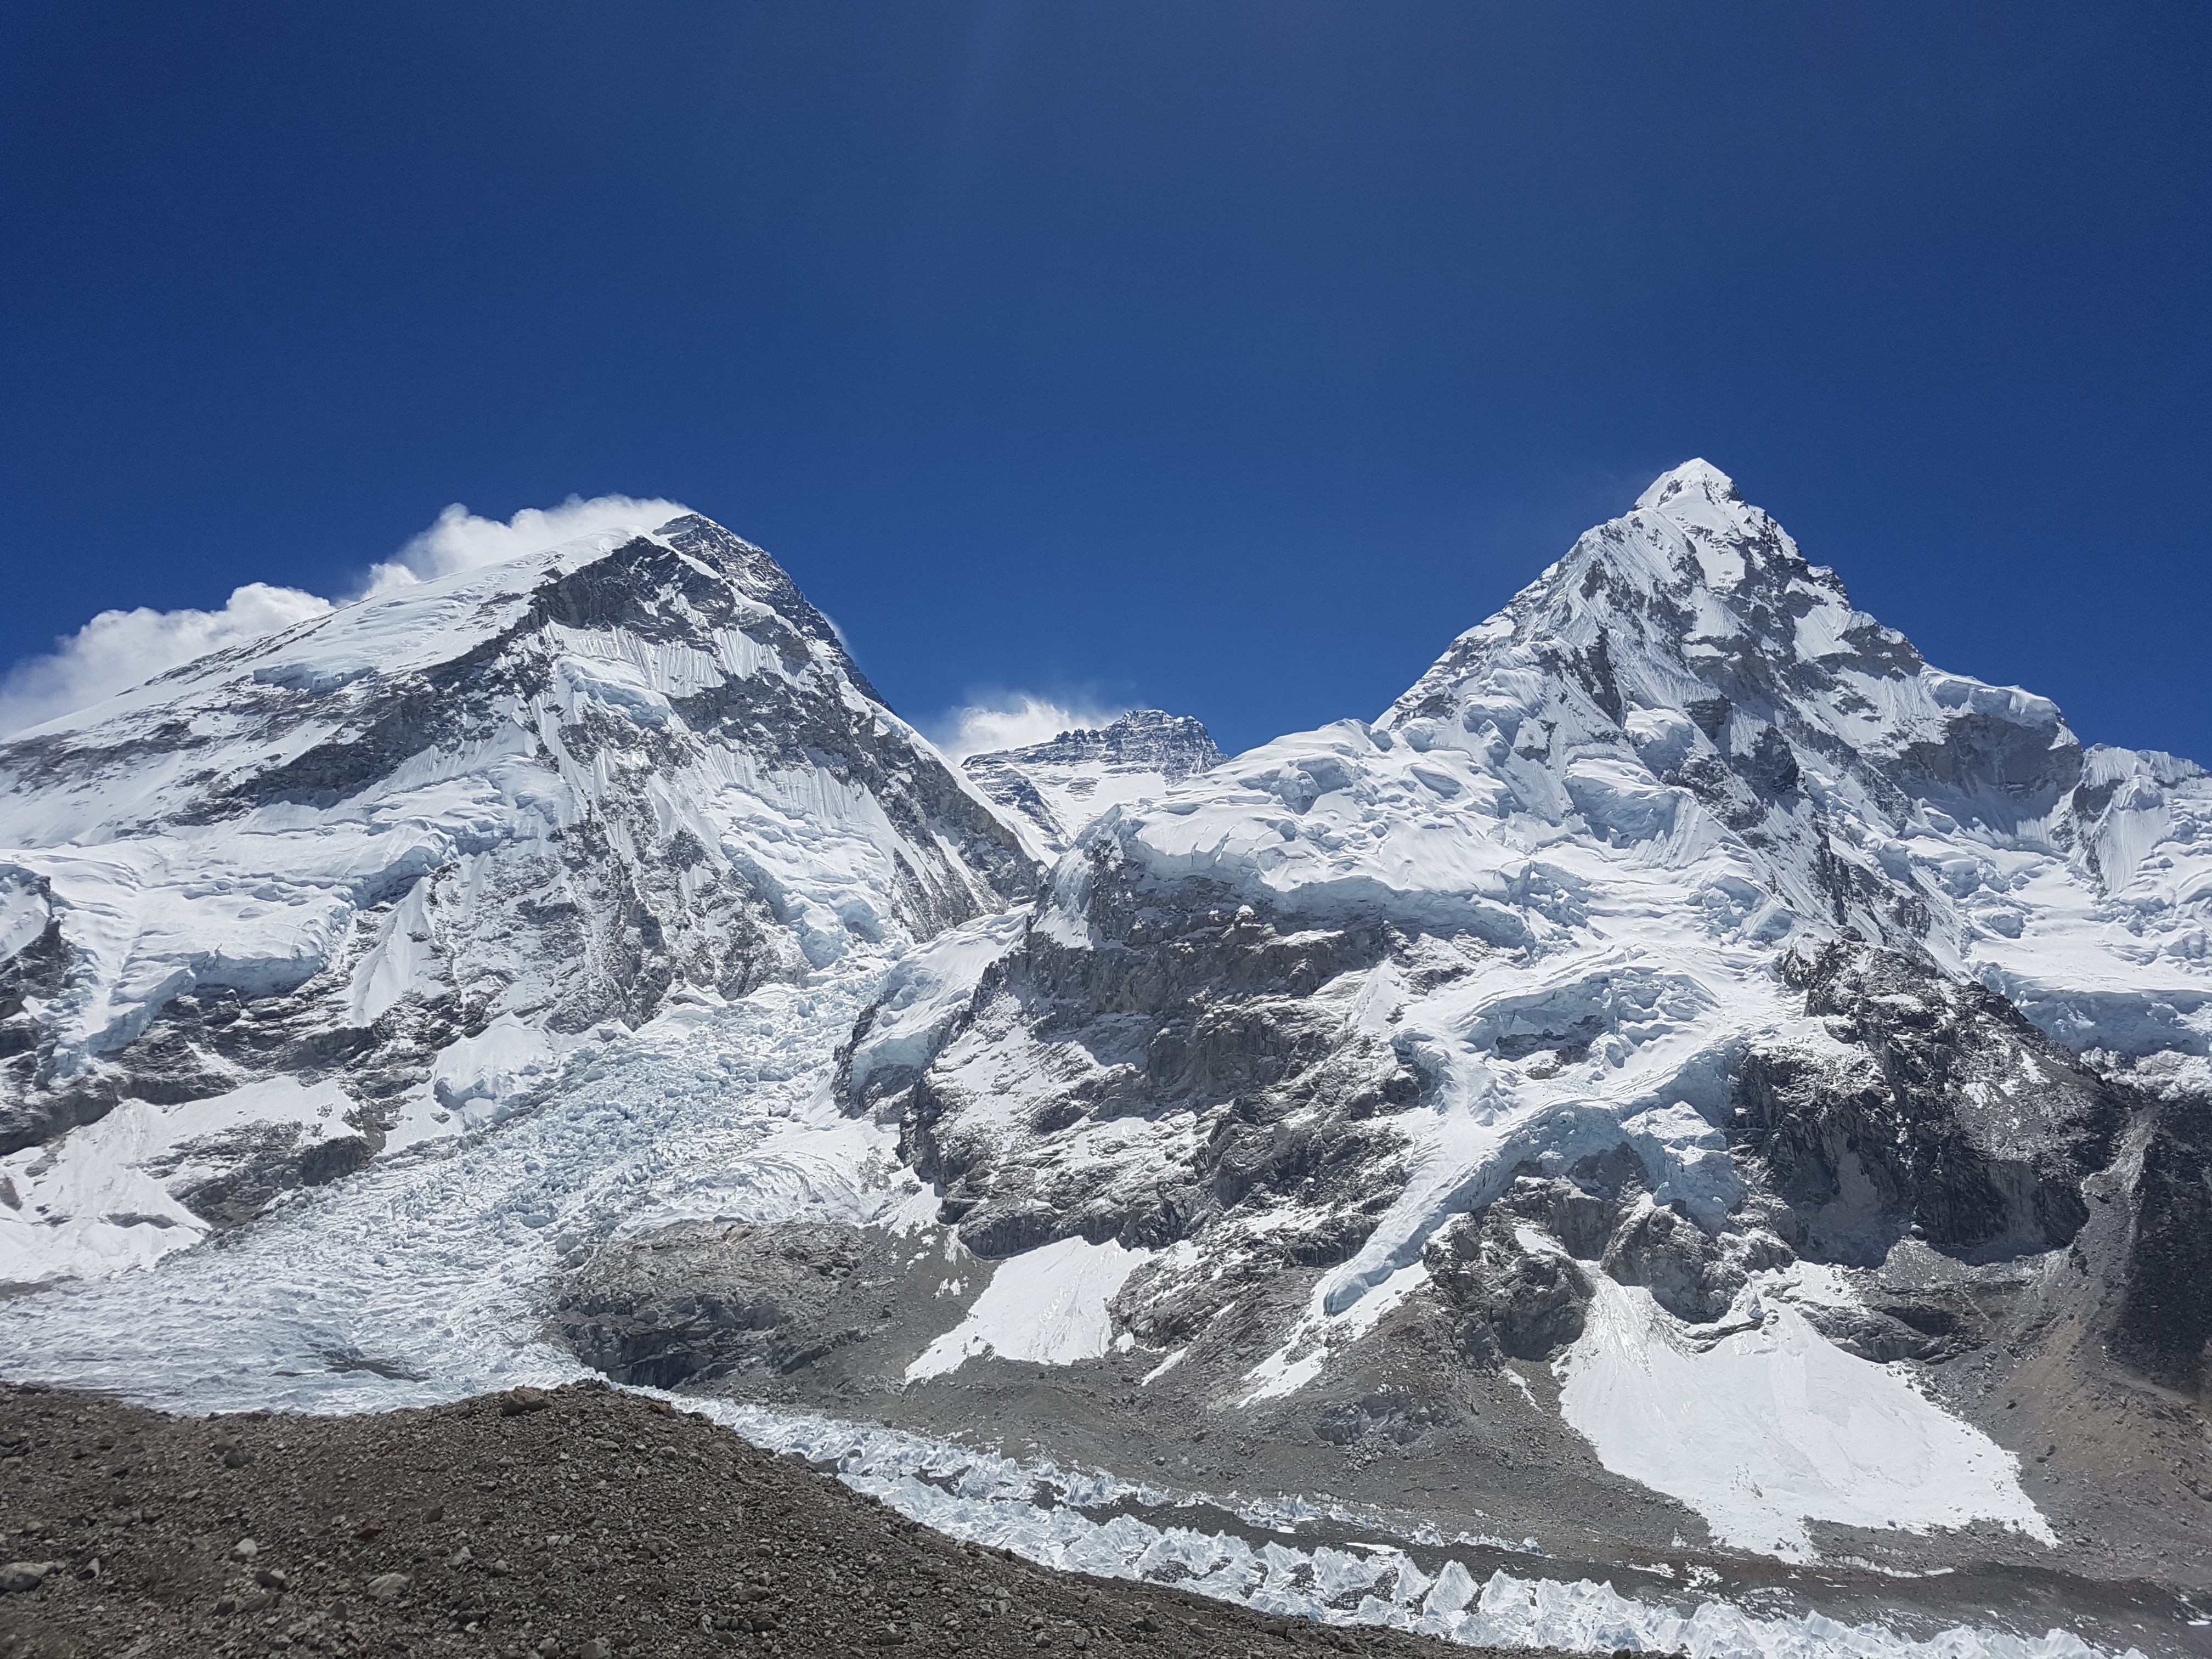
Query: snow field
pixel 1771 1425
pixel 1047 1305
pixel 97 1201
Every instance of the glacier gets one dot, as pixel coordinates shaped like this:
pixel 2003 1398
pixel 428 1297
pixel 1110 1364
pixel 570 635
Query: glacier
pixel 412 1284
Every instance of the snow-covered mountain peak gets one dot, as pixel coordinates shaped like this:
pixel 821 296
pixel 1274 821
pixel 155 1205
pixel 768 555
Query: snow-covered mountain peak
pixel 406 858
pixel 1692 638
pixel 1691 576
pixel 1733 543
pixel 1683 691
pixel 1660 877
pixel 1697 475
pixel 1050 790
pixel 636 574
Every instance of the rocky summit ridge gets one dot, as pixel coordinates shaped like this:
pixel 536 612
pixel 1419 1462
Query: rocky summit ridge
pixel 1691 1084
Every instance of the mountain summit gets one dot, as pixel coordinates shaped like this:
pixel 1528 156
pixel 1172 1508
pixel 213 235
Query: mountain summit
pixel 1682 1004
pixel 1050 790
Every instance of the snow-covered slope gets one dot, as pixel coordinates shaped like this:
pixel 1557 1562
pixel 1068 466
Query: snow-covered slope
pixel 1049 791
pixel 383 875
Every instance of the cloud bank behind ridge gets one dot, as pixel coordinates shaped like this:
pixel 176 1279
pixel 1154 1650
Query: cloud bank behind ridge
pixel 118 649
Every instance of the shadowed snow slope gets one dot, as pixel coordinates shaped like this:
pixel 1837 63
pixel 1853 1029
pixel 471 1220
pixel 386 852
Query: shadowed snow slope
pixel 416 854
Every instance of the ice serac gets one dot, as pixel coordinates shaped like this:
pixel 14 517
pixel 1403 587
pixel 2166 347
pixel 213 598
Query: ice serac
pixel 1049 791
pixel 1682 956
pixel 415 857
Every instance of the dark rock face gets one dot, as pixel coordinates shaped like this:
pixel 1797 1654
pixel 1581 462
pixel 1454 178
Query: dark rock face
pixel 694 1304
pixel 1517 1271
pixel 1670 1256
pixel 1982 756
pixel 2163 1328
pixel 1962 1130
pixel 1510 1300
pixel 31 978
pixel 1882 1337
pixel 1953 1125
pixel 1962 1124
pixel 264 1163
pixel 1205 1011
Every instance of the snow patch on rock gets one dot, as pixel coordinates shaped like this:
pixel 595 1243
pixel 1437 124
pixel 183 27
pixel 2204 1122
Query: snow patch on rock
pixel 1771 1426
pixel 110 1198
pixel 1048 1305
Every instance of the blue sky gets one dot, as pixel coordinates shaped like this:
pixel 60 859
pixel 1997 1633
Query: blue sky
pixel 1221 356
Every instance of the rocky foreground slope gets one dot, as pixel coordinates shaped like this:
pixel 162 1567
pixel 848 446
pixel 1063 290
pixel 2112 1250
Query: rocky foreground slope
pixel 578 1524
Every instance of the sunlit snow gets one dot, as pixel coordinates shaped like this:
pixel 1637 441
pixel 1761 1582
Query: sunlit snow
pixel 1047 1304
pixel 1545 877
pixel 1771 1426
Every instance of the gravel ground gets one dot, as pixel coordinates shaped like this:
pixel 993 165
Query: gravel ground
pixel 582 1523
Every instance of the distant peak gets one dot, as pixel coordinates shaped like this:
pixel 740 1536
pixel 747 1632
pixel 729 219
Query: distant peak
pixel 1156 719
pixel 1696 474
pixel 1175 744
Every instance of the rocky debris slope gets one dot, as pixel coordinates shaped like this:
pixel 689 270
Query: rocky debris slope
pixel 1685 994
pixel 1049 791
pixel 381 877
pixel 580 1524
pixel 698 1301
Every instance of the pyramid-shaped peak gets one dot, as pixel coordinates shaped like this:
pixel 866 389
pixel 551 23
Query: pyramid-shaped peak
pixel 1693 597
pixel 1698 475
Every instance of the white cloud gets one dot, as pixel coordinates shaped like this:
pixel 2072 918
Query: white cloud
pixel 1013 719
pixel 459 540
pixel 118 649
